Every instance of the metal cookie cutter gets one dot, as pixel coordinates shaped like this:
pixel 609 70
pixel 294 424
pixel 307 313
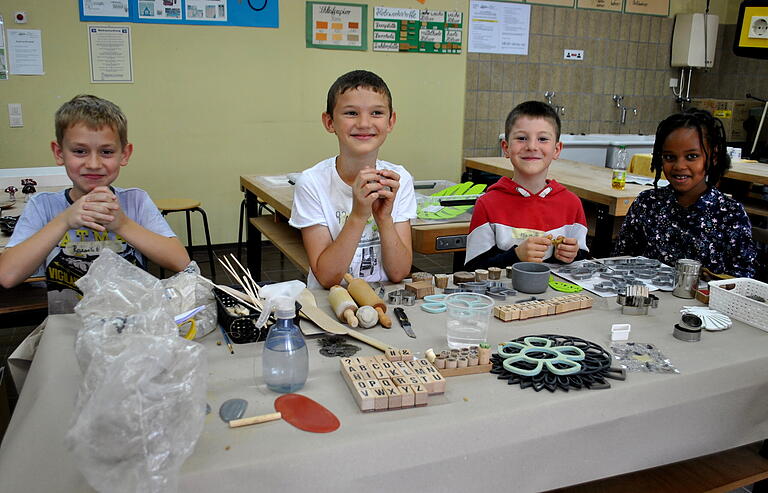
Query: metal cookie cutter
pixel 478 287
pixel 635 300
pixel 395 297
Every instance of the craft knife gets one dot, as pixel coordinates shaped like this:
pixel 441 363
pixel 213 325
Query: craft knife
pixel 404 323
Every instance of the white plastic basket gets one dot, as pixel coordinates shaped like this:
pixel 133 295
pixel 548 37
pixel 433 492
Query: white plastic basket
pixel 735 304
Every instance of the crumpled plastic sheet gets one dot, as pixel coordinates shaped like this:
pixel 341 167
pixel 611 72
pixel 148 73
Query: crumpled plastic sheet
pixel 141 406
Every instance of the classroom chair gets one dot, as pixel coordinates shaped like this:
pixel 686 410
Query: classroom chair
pixel 167 206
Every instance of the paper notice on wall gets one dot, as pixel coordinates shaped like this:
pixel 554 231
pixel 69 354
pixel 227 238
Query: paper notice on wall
pixel 340 26
pixel 496 27
pixel 160 9
pixel 109 48
pixel 417 31
pixel 25 51
pixel 207 10
pixel 106 8
pixel 3 57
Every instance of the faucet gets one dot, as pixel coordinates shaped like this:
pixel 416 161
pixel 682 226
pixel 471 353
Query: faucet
pixel 549 95
pixel 618 100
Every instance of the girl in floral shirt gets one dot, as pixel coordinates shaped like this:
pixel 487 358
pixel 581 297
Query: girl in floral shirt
pixel 690 218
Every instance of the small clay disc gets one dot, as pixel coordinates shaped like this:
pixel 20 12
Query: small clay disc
pixel 233 409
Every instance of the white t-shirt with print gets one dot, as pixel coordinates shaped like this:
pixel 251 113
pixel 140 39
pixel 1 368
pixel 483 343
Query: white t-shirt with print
pixel 322 197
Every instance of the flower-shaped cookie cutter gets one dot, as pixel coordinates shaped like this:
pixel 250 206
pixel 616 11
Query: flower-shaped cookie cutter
pixel 535 354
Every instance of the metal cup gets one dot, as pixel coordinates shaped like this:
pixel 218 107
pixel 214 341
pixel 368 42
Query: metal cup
pixel 686 278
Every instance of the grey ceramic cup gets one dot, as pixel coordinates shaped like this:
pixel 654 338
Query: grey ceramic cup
pixel 530 277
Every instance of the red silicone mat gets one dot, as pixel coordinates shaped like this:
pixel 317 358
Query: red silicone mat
pixel 306 414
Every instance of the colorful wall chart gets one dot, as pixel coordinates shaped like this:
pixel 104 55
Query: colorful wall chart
pixel 337 26
pixel 417 31
pixel 252 13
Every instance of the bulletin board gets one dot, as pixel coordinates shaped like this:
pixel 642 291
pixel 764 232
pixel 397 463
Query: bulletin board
pixel 249 13
pixel 417 31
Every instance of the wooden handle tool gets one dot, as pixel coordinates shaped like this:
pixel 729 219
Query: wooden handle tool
pixel 310 310
pixel 254 420
pixel 364 294
pixel 343 305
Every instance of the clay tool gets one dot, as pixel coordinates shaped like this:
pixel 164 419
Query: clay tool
pixel 404 322
pixel 363 294
pixel 298 410
pixel 310 311
pixel 343 305
pixel 227 340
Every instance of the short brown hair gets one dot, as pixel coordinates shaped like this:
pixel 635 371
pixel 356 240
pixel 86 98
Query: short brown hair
pixel 354 80
pixel 532 109
pixel 94 113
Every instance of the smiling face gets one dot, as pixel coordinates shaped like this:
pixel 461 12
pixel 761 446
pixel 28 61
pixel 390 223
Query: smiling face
pixel 361 121
pixel 684 163
pixel 531 146
pixel 92 158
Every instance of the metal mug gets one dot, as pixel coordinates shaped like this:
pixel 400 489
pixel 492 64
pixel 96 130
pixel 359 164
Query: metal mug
pixel 686 278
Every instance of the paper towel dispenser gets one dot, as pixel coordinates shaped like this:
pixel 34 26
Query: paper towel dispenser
pixel 693 45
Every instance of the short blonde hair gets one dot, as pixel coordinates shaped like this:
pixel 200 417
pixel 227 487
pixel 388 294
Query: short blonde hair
pixel 95 113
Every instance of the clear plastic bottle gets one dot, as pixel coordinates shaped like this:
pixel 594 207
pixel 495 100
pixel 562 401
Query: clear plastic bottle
pixel 285 360
pixel 619 178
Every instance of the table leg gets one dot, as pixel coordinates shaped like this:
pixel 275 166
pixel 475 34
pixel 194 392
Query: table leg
pixel 762 486
pixel 601 245
pixel 458 260
pixel 253 236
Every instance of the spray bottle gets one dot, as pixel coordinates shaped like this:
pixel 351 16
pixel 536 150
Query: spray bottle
pixel 285 361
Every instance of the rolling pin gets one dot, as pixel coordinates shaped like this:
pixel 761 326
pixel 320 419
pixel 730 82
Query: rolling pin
pixel 364 294
pixel 343 305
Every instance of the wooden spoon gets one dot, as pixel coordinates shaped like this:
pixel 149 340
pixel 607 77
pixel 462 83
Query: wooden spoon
pixel 310 311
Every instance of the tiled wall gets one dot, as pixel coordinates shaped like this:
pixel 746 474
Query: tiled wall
pixel 623 54
pixel 731 77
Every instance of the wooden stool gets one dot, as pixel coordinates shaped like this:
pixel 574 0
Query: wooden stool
pixel 188 206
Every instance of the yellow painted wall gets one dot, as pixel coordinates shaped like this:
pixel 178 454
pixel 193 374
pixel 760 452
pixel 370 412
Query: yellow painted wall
pixel 211 103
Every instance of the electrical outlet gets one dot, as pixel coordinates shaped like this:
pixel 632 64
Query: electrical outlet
pixel 758 27
pixel 450 242
pixel 673 82
pixel 573 54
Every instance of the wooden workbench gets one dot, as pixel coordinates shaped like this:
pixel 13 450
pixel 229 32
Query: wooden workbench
pixel 275 194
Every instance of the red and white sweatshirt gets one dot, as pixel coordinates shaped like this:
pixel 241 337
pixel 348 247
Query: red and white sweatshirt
pixel 508 214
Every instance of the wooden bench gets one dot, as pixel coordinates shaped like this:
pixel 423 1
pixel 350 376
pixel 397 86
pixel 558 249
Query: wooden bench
pixel 715 473
pixel 286 238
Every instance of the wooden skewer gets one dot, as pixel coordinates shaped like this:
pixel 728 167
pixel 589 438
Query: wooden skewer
pixel 234 292
pixel 229 270
pixel 247 271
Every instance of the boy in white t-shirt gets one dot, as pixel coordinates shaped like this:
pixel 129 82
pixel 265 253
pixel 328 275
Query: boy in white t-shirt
pixel 354 210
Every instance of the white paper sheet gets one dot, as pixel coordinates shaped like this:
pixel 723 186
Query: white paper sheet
pixel 496 27
pixel 25 51
pixel 109 49
pixel 105 8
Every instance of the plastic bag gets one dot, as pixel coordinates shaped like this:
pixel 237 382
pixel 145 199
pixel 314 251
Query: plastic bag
pixel 141 405
pixel 186 291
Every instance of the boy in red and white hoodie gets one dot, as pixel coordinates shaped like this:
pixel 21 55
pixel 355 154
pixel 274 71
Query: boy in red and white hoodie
pixel 530 218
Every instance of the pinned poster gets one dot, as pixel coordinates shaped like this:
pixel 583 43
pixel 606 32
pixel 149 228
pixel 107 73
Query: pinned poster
pixel 3 57
pixel 337 26
pixel 418 31
pixel 109 49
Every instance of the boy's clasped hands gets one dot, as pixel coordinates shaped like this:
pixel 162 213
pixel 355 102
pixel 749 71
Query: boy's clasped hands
pixel 98 210
pixel 374 192
pixel 534 248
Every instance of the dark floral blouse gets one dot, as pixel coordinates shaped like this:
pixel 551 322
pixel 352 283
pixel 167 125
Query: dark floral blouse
pixel 715 231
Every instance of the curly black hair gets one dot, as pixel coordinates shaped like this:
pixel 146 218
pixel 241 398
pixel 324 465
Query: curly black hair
pixel 710 130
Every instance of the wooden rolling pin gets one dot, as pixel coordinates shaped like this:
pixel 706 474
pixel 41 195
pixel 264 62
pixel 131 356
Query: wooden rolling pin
pixel 343 305
pixel 364 294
